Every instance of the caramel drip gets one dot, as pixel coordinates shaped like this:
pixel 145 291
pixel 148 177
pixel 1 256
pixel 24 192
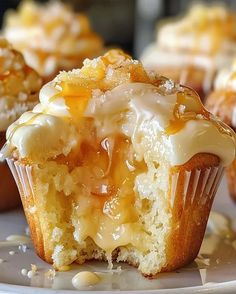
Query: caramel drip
pixel 28 122
pixel 76 98
pixel 8 73
pixel 109 180
pixel 180 119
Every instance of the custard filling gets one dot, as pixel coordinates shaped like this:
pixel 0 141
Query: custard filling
pixel 105 206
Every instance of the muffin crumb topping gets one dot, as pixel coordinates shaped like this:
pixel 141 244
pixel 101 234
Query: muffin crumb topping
pixel 19 85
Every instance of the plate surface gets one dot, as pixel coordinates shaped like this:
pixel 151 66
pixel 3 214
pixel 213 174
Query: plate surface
pixel 214 271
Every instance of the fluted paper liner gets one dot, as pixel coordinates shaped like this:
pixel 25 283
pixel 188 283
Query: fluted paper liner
pixel 191 195
pixel 9 196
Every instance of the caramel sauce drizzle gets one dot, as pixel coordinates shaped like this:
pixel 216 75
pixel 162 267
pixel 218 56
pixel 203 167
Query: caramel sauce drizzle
pixel 110 181
pixel 218 31
pixel 180 119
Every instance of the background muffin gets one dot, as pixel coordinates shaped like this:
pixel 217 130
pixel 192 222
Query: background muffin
pixel 222 102
pixel 19 88
pixel 115 163
pixel 51 36
pixel 192 49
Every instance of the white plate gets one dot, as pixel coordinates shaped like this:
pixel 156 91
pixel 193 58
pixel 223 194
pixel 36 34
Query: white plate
pixel 213 272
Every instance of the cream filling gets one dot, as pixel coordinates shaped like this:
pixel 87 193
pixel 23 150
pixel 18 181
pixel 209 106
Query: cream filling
pixel 108 234
pixel 135 109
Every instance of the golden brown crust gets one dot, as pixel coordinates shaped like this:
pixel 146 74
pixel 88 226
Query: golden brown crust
pixel 221 103
pixel 33 220
pixel 28 199
pixel 9 196
pixel 191 208
pixel 198 161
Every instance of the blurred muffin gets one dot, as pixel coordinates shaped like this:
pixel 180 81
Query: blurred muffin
pixel 192 49
pixel 19 88
pixel 222 102
pixel 116 163
pixel 51 36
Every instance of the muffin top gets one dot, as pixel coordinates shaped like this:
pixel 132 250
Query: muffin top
pixel 205 29
pixel 113 94
pixel 19 85
pixel 222 101
pixel 51 28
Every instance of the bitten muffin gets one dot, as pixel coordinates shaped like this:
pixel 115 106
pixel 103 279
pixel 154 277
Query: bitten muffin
pixel 222 102
pixel 51 36
pixel 116 163
pixel 193 48
pixel 19 88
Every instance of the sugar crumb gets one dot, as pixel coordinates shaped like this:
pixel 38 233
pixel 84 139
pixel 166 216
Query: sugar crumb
pixel 50 274
pixel 169 85
pixel 181 108
pixel 32 209
pixel 22 247
pixel 34 268
pixel 199 116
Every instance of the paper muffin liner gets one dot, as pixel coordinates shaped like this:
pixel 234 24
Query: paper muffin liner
pixel 9 196
pixel 23 175
pixel 191 195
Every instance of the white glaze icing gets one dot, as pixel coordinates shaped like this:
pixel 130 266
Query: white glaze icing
pixel 135 109
pixel 155 57
pixel 201 136
pixel 19 85
pixel 226 78
pixel 18 238
pixel 85 279
pixel 47 136
pixel 15 240
pixel 203 29
pixel 204 38
pixel 51 35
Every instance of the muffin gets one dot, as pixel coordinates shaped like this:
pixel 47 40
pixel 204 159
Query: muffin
pixel 193 48
pixel 222 102
pixel 19 88
pixel 51 36
pixel 115 163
